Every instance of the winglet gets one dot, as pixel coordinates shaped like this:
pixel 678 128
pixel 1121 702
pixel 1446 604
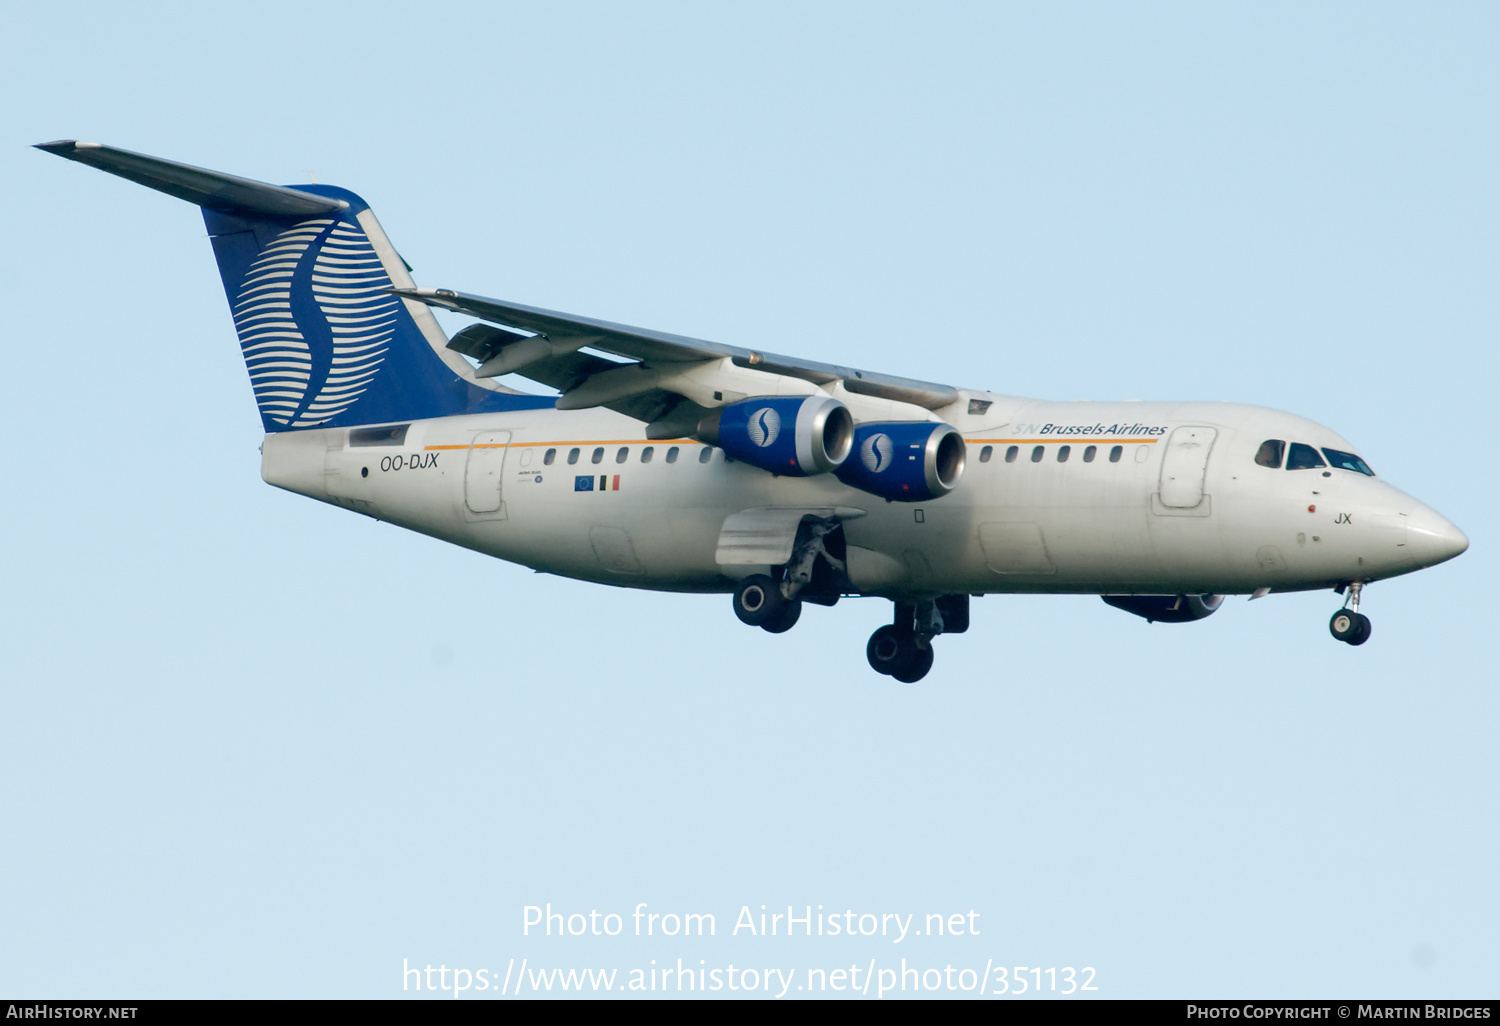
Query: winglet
pixel 212 189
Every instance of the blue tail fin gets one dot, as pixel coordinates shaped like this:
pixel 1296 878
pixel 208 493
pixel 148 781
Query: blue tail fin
pixel 307 272
pixel 325 343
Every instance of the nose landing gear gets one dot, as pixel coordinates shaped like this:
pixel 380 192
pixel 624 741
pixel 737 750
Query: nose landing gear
pixel 1349 625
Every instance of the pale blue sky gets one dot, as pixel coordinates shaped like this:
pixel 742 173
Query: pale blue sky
pixel 258 746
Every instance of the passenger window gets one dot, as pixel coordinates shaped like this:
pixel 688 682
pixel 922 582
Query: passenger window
pixel 1347 461
pixel 623 454
pixel 1090 453
pixel 1303 457
pixel 572 456
pixel 647 453
pixel 547 459
pixel 672 454
pixel 1012 453
pixel 986 453
pixel 1036 454
pixel 598 456
pixel 705 454
pixel 1063 453
pixel 1115 453
pixel 1270 453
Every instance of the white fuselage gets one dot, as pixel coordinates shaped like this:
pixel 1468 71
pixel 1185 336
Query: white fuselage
pixel 1036 523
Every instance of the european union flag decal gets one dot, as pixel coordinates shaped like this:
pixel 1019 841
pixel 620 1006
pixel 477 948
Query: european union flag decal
pixel 583 483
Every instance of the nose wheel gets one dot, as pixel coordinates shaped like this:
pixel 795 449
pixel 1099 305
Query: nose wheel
pixel 1349 625
pixel 1350 628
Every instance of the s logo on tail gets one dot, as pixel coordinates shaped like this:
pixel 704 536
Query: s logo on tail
pixel 314 322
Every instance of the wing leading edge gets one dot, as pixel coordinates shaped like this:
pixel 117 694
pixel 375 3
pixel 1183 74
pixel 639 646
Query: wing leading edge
pixel 673 379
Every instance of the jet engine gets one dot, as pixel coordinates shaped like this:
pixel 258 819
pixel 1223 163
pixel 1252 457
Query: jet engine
pixel 905 461
pixel 1167 608
pixel 798 435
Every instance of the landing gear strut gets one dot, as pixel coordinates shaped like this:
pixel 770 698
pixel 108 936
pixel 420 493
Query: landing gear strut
pixel 1349 625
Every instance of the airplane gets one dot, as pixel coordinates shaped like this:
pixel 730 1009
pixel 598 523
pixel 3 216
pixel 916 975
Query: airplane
pixel 675 464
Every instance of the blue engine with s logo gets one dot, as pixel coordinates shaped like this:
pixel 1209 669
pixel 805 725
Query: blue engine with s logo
pixel 796 435
pixel 905 461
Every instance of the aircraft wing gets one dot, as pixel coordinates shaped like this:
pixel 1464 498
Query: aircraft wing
pixel 663 370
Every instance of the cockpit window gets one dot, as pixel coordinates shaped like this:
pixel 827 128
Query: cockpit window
pixel 1270 453
pixel 1348 461
pixel 1303 457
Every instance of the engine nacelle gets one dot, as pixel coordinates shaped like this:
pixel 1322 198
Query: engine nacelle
pixel 1167 608
pixel 905 461
pixel 797 435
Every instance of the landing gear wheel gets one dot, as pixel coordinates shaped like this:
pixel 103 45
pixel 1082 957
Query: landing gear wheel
pixel 1342 625
pixel 916 666
pixel 1362 629
pixel 790 611
pixel 887 650
pixel 896 654
pixel 757 601
pixel 1350 628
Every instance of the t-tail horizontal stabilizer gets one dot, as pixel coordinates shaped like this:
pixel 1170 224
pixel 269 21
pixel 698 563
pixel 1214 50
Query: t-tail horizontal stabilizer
pixel 211 190
pixel 310 277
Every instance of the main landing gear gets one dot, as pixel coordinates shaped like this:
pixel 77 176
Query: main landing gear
pixel 1349 625
pixel 905 655
pixel 758 602
pixel 903 648
pixel 774 602
pixel 816 573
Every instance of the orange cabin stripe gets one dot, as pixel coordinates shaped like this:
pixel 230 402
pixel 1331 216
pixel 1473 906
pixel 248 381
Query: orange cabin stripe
pixel 572 442
pixel 1062 441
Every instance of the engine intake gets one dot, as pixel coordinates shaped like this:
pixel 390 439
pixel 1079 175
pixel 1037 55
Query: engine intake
pixel 1167 608
pixel 795 435
pixel 905 461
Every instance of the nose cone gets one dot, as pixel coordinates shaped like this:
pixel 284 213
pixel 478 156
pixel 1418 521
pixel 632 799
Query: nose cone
pixel 1431 538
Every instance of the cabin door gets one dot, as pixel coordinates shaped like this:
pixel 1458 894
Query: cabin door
pixel 484 474
pixel 1185 465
